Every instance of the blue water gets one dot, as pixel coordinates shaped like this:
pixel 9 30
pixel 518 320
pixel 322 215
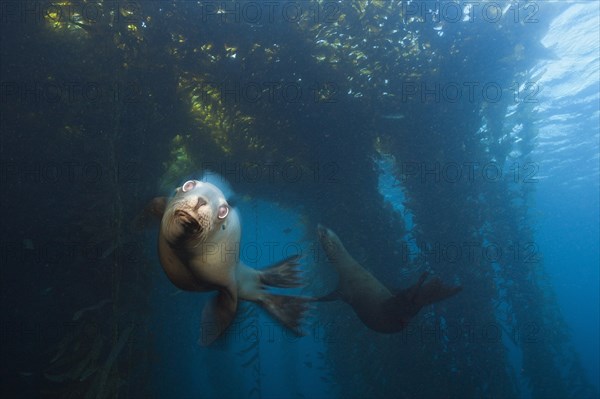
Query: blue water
pixel 566 208
pixel 71 292
pixel 564 214
pixel 568 238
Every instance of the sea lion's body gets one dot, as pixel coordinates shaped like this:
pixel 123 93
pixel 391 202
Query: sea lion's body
pixel 375 305
pixel 199 246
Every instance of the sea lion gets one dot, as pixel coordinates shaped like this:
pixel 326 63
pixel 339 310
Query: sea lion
pixel 373 303
pixel 198 247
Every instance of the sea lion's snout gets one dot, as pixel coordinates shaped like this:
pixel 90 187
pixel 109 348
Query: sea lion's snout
pixel 328 241
pixel 326 236
pixel 322 231
pixel 199 202
pixel 187 221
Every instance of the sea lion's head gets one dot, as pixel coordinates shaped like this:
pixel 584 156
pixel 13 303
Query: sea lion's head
pixel 330 242
pixel 196 210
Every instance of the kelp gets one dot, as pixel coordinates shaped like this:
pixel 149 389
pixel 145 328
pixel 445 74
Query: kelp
pixel 165 112
pixel 252 362
pixel 102 386
pixel 84 363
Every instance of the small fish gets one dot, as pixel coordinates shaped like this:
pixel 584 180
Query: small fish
pixel 27 244
pixel 393 116
pixel 77 315
pixel 106 253
pixel 308 364
pixel 287 230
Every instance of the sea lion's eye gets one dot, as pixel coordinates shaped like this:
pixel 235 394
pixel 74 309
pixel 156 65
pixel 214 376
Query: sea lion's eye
pixel 188 185
pixel 223 212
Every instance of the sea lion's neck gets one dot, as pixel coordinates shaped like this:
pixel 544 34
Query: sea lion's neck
pixel 339 257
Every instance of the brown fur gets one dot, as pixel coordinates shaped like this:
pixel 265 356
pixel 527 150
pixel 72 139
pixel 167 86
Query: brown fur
pixel 373 303
pixel 199 251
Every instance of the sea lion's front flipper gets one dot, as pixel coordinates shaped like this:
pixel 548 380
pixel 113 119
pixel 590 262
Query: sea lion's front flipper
pixel 152 212
pixel 422 293
pixel 217 315
pixel 432 291
pixel 407 303
pixel 411 292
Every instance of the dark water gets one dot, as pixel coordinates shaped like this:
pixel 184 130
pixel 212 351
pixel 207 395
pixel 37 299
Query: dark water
pixel 458 138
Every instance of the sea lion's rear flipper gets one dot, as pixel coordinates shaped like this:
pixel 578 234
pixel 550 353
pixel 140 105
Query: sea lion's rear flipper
pixel 153 212
pixel 288 310
pixel 217 316
pixel 284 274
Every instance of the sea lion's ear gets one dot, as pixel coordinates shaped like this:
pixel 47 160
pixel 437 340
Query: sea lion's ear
pixel 152 213
pixel 217 315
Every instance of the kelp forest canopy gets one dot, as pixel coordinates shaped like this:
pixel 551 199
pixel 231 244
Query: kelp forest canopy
pixel 297 103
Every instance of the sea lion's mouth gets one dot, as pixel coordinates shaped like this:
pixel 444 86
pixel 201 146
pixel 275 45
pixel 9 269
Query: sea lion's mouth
pixel 188 222
pixel 329 245
pixel 321 231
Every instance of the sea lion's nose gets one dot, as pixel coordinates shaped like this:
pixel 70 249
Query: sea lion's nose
pixel 321 230
pixel 200 202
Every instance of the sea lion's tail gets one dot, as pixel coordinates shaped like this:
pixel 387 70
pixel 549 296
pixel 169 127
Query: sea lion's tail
pixel 284 274
pixel 288 310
